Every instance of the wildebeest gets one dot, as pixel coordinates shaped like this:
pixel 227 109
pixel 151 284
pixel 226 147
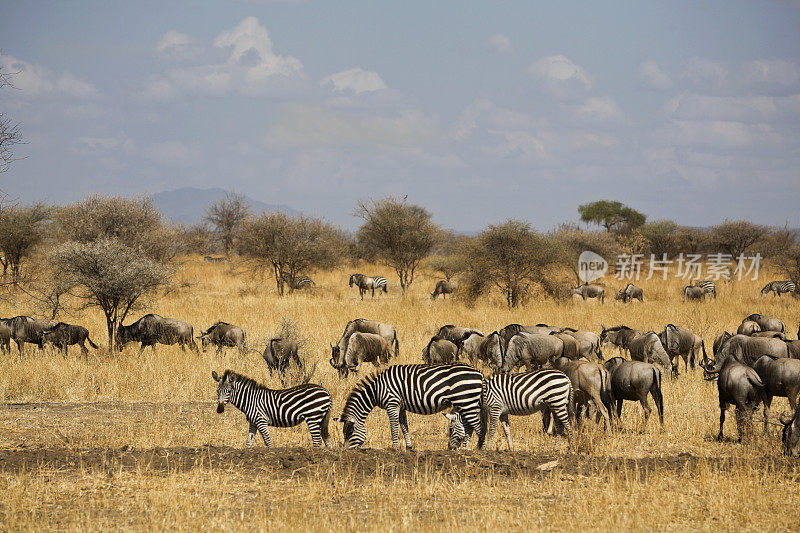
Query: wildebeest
pixel 5 335
pixel 456 334
pixel 748 327
pixel 791 433
pixel 633 381
pixel 298 283
pixel 444 287
pixel 152 329
pixel 279 352
pixel 224 335
pixel 63 335
pixel 590 291
pixel 767 323
pixel 364 348
pixel 210 259
pixel 485 348
pixel 739 385
pixel 793 349
pixel 708 286
pixel 629 293
pixel 681 342
pixel 619 336
pixel 572 350
pixel 512 329
pixel 781 377
pixel 647 347
pixel 590 382
pixel 533 350
pixel 26 329
pixel 367 283
pixel 588 341
pixel 770 335
pixel 779 287
pixel 744 349
pixel 439 350
pixel 690 292
pixel 362 325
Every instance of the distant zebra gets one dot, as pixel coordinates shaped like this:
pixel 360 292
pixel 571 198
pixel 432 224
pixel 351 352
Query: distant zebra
pixel 778 287
pixel 299 283
pixel 367 283
pixel 518 394
pixel 264 407
pixel 709 287
pixel 421 389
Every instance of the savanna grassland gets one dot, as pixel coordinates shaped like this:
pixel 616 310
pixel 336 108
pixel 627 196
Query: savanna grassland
pixel 133 441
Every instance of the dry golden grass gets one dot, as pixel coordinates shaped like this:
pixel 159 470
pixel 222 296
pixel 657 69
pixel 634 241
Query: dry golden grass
pixel 164 400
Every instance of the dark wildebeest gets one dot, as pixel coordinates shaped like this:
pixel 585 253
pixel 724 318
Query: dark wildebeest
pixel 456 334
pixel 590 382
pixel 533 350
pixel 153 329
pixel 744 349
pixel 739 385
pixel 364 348
pixel 633 381
pixel 279 353
pixel 572 349
pixel 26 329
pixel 767 323
pixel 647 348
pixel 619 336
pixel 444 287
pixel 690 292
pixel 63 335
pixel 748 327
pixel 590 291
pixel 362 325
pixel 5 335
pixel 488 349
pixel 629 293
pixel 781 377
pixel 224 335
pixel 439 350
pixel 588 341
pixel 793 349
pixel 681 342
pixel 791 433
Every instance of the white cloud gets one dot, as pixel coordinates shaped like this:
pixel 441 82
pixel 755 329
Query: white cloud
pixel 771 76
pixel 500 44
pixel 356 79
pixel 250 35
pixel 173 40
pixel 173 153
pixel 562 78
pixel 34 80
pixel 522 144
pixel 690 106
pixel 720 134
pixel 600 108
pixel 706 74
pixel 99 145
pixel 651 76
pixel 585 139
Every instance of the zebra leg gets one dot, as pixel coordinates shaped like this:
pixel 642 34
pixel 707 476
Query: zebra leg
pixel 494 416
pixel 562 414
pixel 263 428
pixel 404 428
pixel 507 429
pixel 314 427
pixel 393 411
pixel 251 434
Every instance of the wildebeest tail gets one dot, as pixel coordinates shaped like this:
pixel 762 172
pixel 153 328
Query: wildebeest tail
pixel 324 429
pixel 605 391
pixel 93 345
pixel 396 345
pixel 657 396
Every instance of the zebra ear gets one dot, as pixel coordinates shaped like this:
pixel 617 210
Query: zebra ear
pixel 215 376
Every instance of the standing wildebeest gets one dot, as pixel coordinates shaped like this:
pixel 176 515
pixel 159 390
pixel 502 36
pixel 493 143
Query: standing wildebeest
pixel 153 329
pixel 744 349
pixel 681 342
pixel 619 336
pixel 512 329
pixel 456 334
pixel 709 287
pixel 748 327
pixel 5 335
pixel 793 349
pixel 26 329
pixel 690 292
pixel 224 335
pixel 590 291
pixel 647 348
pixel 444 287
pixel 590 382
pixel 629 293
pixel 588 341
pixel 791 433
pixel 770 335
pixel 485 348
pixel 367 283
pixel 279 353
pixel 63 335
pixel 781 377
pixel 439 350
pixel 533 350
pixel 739 385
pixel 633 381
pixel 779 287
pixel 387 331
pixel 572 349
pixel 767 323
pixel 363 348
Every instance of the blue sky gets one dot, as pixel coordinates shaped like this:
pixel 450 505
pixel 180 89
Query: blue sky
pixel 479 111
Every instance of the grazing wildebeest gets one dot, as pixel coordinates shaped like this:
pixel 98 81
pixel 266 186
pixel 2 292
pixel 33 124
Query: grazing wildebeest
pixel 681 342
pixel 781 377
pixel 633 381
pixel 572 349
pixel 153 329
pixel 779 287
pixel 487 349
pixel 744 349
pixel 791 433
pixel 690 292
pixel 767 323
pixel 444 287
pixel 707 285
pixel 748 327
pixel 63 335
pixel 363 348
pixel 362 325
pixel 439 350
pixel 739 385
pixel 456 334
pixel 619 336
pixel 5 335
pixel 629 293
pixel 367 283
pixel 590 291
pixel 26 329
pixel 533 350
pixel 589 343
pixel 590 382
pixel 280 354
pixel 647 348
pixel 224 335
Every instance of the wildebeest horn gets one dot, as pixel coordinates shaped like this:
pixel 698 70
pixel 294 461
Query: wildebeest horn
pixel 333 363
pixel 785 418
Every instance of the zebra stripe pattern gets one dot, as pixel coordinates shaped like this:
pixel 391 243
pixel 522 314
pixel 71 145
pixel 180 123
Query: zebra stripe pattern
pixel 779 287
pixel 519 395
pixel 367 283
pixel 264 407
pixel 421 389
pixel 708 286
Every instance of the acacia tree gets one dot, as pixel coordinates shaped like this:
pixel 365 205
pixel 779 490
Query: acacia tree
pixel 399 234
pixel 290 245
pixel 613 216
pixel 661 237
pixel 736 236
pixel 10 134
pixel 227 216
pixel 22 228
pixel 570 241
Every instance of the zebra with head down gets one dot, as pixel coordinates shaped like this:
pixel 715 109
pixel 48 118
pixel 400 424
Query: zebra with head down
pixel 367 283
pixel 779 287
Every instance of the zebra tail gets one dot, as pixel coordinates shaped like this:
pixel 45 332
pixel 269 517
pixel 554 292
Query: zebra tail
pixel 93 345
pixel 483 415
pixel 323 426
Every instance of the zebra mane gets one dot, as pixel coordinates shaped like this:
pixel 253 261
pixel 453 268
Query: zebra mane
pixel 234 377
pixel 362 388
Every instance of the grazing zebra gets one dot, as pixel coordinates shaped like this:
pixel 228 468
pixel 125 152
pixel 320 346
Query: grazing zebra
pixel 264 407
pixel 421 389
pixel 299 283
pixel 778 287
pixel 518 394
pixel 709 287
pixel 366 283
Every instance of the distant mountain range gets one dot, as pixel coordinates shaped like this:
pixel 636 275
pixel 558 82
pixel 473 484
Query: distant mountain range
pixel 188 205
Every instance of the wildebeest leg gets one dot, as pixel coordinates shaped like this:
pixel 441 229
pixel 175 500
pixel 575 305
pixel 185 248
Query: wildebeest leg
pixel 84 350
pixel 251 434
pixel 393 411
pixel 404 428
pixel 722 407
pixel 142 347
pixel 767 405
pixel 507 429
pixel 647 410
pixel 219 349
pixel 619 409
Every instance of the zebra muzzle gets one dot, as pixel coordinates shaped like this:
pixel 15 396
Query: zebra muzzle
pixel 220 407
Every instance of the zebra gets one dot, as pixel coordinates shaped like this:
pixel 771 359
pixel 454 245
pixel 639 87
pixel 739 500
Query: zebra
pixel 299 283
pixel 366 283
pixel 518 394
pixel 264 407
pixel 421 389
pixel 709 287
pixel 779 287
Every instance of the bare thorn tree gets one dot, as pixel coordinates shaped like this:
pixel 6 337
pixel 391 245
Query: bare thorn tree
pixel 22 228
pixel 227 216
pixel 10 134
pixel 736 236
